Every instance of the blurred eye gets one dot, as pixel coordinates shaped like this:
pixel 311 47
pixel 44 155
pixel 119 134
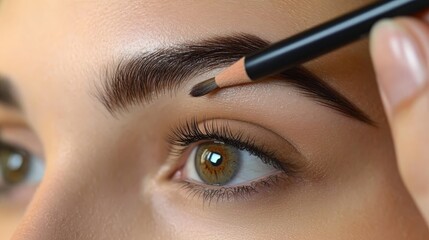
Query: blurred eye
pixel 21 165
pixel 219 164
pixel 17 166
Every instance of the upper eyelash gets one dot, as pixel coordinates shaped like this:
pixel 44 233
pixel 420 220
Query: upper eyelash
pixel 192 131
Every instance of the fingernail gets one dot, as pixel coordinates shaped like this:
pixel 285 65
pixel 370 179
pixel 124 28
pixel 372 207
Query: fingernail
pixel 399 63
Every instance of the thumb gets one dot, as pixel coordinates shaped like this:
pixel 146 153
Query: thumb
pixel 400 52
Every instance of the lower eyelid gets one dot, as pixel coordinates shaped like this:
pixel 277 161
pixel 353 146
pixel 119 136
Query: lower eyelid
pixel 21 195
pixel 227 193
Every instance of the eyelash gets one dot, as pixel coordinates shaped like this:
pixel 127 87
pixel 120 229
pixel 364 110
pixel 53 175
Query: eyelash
pixel 191 132
pixel 234 193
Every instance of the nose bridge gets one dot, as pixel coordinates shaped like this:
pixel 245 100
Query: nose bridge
pixel 62 206
pixel 81 200
pixel 51 215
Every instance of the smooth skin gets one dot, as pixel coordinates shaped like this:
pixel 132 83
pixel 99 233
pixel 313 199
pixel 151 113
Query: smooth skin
pixel 108 178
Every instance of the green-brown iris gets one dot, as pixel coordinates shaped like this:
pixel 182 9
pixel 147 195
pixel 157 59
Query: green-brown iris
pixel 217 163
pixel 14 165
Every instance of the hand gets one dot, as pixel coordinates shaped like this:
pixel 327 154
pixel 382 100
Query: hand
pixel 400 52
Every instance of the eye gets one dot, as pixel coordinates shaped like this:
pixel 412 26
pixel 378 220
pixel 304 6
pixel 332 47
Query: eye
pixel 18 166
pixel 220 164
pixel 231 160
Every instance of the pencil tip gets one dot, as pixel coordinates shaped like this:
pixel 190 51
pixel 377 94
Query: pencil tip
pixel 204 88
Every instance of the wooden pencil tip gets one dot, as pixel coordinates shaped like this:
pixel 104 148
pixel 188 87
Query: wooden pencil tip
pixel 204 88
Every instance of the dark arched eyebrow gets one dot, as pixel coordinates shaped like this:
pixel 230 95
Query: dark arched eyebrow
pixel 7 96
pixel 146 76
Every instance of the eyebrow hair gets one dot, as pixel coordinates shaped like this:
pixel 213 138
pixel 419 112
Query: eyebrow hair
pixel 7 97
pixel 144 77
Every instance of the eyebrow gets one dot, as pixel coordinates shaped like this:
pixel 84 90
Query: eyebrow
pixel 142 78
pixel 7 96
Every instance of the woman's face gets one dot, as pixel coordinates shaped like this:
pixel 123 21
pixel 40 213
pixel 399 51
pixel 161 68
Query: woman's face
pixel 94 99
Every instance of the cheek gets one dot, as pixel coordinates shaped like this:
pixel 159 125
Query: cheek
pixel 9 220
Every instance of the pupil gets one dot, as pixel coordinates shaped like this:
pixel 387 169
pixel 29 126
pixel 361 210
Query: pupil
pixel 214 158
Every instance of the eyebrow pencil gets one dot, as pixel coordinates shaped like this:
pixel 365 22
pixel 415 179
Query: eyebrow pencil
pixel 308 45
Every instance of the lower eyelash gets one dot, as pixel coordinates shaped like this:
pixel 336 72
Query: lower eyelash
pixel 211 194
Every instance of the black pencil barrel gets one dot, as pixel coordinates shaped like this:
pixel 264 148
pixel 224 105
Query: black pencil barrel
pixel 324 38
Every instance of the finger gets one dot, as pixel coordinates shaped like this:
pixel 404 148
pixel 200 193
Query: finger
pixel 400 52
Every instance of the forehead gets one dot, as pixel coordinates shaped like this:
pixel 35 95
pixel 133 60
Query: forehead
pixel 153 22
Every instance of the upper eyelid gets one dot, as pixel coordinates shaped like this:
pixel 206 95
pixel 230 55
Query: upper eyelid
pixel 196 121
pixel 292 163
pixel 9 116
pixel 22 137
